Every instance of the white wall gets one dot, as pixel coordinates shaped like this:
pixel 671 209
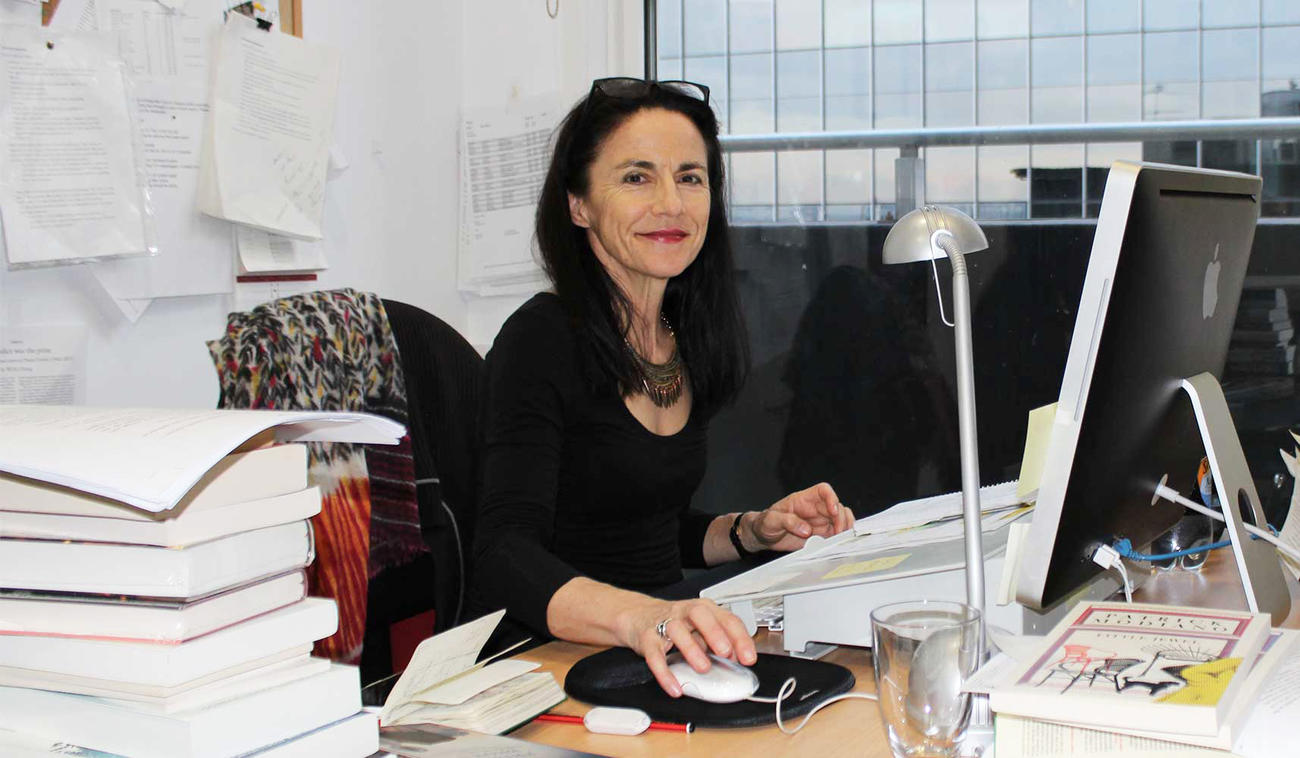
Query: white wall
pixel 408 65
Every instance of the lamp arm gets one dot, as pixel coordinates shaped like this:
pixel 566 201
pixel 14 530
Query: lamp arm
pixel 970 466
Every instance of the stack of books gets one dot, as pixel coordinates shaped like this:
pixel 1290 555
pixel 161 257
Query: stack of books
pixel 1113 678
pixel 174 632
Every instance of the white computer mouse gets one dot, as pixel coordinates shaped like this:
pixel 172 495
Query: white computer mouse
pixel 725 682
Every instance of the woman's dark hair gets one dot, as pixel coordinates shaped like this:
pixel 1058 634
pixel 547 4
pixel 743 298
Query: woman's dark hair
pixel 700 303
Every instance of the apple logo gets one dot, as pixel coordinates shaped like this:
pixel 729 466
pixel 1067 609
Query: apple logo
pixel 1210 295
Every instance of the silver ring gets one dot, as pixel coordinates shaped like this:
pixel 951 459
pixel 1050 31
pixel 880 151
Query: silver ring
pixel 662 628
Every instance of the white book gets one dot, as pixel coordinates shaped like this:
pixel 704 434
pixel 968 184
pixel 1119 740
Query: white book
pixel 354 737
pixel 150 571
pixel 144 620
pixel 234 727
pixel 188 528
pixel 236 478
pixel 151 457
pixel 162 698
pixel 147 663
pixel 254 680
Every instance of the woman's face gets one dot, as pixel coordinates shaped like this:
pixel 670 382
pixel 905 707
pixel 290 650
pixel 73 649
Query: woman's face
pixel 647 205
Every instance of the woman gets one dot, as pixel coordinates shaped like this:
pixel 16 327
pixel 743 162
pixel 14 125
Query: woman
pixel 598 394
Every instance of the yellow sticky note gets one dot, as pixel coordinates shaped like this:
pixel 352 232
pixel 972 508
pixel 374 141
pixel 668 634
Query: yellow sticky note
pixel 1036 438
pixel 866 567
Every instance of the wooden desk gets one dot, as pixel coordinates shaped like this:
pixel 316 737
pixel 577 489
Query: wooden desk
pixel 1216 585
pixel 852 727
pixel 847 728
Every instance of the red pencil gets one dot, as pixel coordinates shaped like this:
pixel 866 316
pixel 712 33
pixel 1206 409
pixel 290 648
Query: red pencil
pixel 659 725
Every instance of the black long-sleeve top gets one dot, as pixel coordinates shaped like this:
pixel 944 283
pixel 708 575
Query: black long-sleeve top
pixel 573 484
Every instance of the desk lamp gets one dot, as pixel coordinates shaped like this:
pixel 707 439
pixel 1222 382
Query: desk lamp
pixel 925 234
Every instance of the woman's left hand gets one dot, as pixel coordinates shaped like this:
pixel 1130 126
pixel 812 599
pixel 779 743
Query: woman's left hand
pixel 788 523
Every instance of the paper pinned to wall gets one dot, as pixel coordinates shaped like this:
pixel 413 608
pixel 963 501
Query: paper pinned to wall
pixel 269 131
pixel 194 251
pixel 503 159
pixel 75 16
pixel 43 365
pixel 261 252
pixel 160 41
pixel 249 295
pixel 69 187
pixel 24 12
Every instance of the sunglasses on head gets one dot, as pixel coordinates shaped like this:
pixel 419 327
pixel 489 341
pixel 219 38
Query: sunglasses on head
pixel 627 87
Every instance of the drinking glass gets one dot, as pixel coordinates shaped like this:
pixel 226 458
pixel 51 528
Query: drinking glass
pixel 923 651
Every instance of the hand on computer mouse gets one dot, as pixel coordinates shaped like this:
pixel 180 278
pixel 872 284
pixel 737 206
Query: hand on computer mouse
pixel 725 682
pixel 696 627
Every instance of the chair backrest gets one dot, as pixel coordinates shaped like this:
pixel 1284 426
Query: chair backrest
pixel 443 387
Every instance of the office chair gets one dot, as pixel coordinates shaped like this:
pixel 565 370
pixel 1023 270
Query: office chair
pixel 443 387
pixel 408 600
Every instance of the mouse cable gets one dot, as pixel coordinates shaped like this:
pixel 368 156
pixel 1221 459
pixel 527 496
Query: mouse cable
pixel 788 687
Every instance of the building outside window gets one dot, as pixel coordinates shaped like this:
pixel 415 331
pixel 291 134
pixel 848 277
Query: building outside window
pixel 844 65
pixel 852 380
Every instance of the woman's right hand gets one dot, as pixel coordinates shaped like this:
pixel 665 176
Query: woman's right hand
pixel 695 627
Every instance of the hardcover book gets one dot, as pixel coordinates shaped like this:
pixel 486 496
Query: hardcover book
pixel 150 664
pixel 151 571
pixel 139 619
pixel 1154 668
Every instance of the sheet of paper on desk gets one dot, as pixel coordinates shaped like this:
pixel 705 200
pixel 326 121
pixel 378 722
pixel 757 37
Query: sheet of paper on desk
pixel 924 534
pixel 434 741
pixel 270 130
pixel 1270 729
pixel 194 250
pixel 69 190
pixel 938 507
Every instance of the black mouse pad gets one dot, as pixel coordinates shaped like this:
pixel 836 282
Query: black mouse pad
pixel 620 677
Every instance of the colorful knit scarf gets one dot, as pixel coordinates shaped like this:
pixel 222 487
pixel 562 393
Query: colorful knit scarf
pixel 334 351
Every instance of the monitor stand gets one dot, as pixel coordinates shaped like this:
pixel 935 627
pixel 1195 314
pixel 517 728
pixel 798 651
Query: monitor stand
pixel 1257 562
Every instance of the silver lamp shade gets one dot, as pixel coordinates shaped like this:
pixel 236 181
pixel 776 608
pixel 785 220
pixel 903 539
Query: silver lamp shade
pixel 911 238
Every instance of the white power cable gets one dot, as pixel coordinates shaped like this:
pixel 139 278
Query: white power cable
pixel 1168 493
pixel 1109 558
pixel 788 687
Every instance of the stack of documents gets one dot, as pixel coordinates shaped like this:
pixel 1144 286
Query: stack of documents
pixel 1119 678
pixel 152 594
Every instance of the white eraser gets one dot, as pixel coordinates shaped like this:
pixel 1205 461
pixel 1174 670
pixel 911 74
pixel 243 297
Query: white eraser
pixel 605 720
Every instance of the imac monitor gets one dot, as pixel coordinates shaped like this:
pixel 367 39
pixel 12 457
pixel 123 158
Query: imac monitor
pixel 1158 304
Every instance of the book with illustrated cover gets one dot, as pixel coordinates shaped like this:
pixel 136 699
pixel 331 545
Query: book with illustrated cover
pixel 1166 669
pixel 1019 737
